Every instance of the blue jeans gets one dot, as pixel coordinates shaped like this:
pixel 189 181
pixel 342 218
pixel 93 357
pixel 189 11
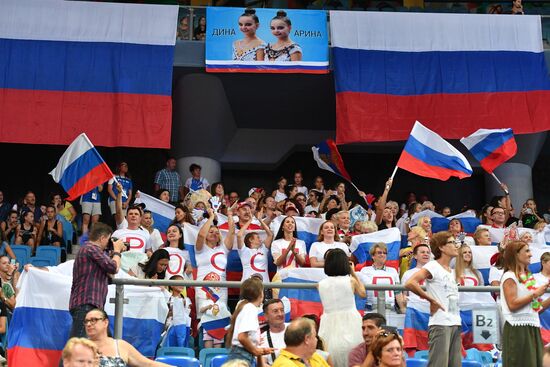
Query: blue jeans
pixel 241 353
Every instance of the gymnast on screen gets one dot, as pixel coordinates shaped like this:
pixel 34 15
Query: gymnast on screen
pixel 250 48
pixel 284 49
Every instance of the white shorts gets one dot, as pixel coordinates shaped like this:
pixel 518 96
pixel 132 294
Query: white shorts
pixel 113 208
pixel 91 208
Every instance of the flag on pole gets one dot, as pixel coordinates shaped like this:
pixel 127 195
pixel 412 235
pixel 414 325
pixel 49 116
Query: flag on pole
pixel 491 147
pixel 328 158
pixel 81 168
pixel 428 154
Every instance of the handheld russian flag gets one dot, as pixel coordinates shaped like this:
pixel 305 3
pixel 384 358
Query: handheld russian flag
pixel 162 212
pixel 210 294
pixel 81 168
pixel 328 157
pixel 429 155
pixel 491 147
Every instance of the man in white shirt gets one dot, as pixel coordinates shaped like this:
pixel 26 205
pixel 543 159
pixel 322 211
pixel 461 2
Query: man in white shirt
pixel 274 334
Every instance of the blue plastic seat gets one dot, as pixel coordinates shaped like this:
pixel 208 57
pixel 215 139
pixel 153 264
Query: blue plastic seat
pixel 51 252
pixel 467 363
pixel 179 361
pixel 68 231
pixel 175 351
pixel 417 362
pixel 422 354
pixel 218 361
pixel 23 254
pixel 41 261
pixel 206 355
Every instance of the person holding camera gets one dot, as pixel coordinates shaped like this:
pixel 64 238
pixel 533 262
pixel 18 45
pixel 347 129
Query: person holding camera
pixel 91 272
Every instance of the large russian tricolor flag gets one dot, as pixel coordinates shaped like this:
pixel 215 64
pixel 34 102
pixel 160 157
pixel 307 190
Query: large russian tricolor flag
pixel 81 168
pixel 72 66
pixel 41 321
pixel 491 147
pixel 454 72
pixel 427 154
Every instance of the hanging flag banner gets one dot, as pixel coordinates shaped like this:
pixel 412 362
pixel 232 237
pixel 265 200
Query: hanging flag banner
pixel 266 41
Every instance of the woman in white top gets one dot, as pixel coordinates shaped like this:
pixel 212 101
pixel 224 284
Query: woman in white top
pixel 521 303
pixel 280 194
pixel 543 277
pixel 180 262
pixel 466 274
pixel 327 240
pixel 287 250
pixel 147 222
pixel 253 252
pixel 444 326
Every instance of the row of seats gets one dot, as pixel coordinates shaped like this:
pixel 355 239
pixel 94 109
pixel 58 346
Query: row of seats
pixel 45 255
pixel 206 355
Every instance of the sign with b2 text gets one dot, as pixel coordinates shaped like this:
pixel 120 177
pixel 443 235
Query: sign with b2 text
pixel 266 41
pixel 485 326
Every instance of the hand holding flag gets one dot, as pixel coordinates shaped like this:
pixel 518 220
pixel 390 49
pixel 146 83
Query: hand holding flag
pixel 81 168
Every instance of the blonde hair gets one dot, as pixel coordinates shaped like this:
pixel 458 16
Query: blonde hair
pixel 539 225
pixel 419 231
pixel 73 342
pixel 369 226
pixel 478 232
pixel 461 265
pixel 378 245
pixel 321 236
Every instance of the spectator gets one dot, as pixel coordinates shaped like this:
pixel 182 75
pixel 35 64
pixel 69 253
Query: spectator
pixel 482 237
pixel 287 250
pixel 9 227
pixel 517 7
pixel 243 335
pixel 368 226
pixel 485 216
pixel 8 279
pixel 180 261
pixel 340 324
pixel 29 204
pixel 446 211
pixel 154 268
pixel 321 350
pixel 183 28
pixel 328 239
pixel 403 222
pixel 163 195
pixel 147 223
pixel 274 334
pixel 425 223
pixel 291 191
pixel 113 352
pixel 79 352
pixel 543 277
pixel 233 198
pixel 280 193
pixel 301 344
pixel 344 227
pixel 168 178
pixel 218 192
pixel 254 252
pixel 301 199
pixel 457 229
pixel 268 208
pixel 521 304
pixel 379 273
pixel 244 213
pixel 123 178
pixel 372 323
pixel 416 236
pixel 529 215
pixel 51 230
pixel 313 203
pixel 200 30
pixel 387 350
pixel 5 207
pixel 498 217
pixel 442 293
pixel 64 208
pixel 26 232
pixel 182 216
pixel 196 181
pixel 329 202
pixel 340 192
pixel 91 208
pixel 91 271
pixel 422 255
pixel 319 184
pixel 299 182
pixel 467 275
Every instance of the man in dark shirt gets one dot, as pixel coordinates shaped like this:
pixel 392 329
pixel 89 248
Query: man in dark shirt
pixel 91 271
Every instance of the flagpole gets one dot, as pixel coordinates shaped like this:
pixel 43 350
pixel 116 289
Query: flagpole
pixel 118 183
pixel 394 172
pixel 500 183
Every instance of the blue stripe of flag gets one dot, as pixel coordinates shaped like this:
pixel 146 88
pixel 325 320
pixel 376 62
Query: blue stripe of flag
pixel 362 251
pixel 491 143
pixel 103 67
pixel 434 157
pixel 398 73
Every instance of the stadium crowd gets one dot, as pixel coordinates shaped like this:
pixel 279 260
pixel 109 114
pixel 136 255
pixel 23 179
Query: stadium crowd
pixel 249 224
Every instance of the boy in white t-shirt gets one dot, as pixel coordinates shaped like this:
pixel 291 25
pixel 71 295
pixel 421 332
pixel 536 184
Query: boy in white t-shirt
pixel 442 293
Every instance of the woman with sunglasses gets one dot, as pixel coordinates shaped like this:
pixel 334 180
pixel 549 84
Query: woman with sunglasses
pixel 444 326
pixel 113 352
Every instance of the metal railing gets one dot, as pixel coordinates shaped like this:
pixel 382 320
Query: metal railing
pixel 119 300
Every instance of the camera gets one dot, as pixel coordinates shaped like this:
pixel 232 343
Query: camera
pixel 110 246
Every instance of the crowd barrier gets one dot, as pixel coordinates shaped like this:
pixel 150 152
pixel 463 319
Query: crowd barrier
pixel 119 299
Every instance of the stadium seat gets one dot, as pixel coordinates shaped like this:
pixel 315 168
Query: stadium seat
pixel 422 354
pixel 179 361
pixel 416 362
pixel 23 254
pixel 217 361
pixel 68 231
pixel 474 354
pixel 467 363
pixel 41 261
pixel 175 351
pixel 206 355
pixel 51 252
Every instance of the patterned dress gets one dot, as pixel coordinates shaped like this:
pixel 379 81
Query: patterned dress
pixel 283 54
pixel 240 54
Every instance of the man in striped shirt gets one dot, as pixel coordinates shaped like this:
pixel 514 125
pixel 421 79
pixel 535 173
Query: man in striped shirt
pixel 91 272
